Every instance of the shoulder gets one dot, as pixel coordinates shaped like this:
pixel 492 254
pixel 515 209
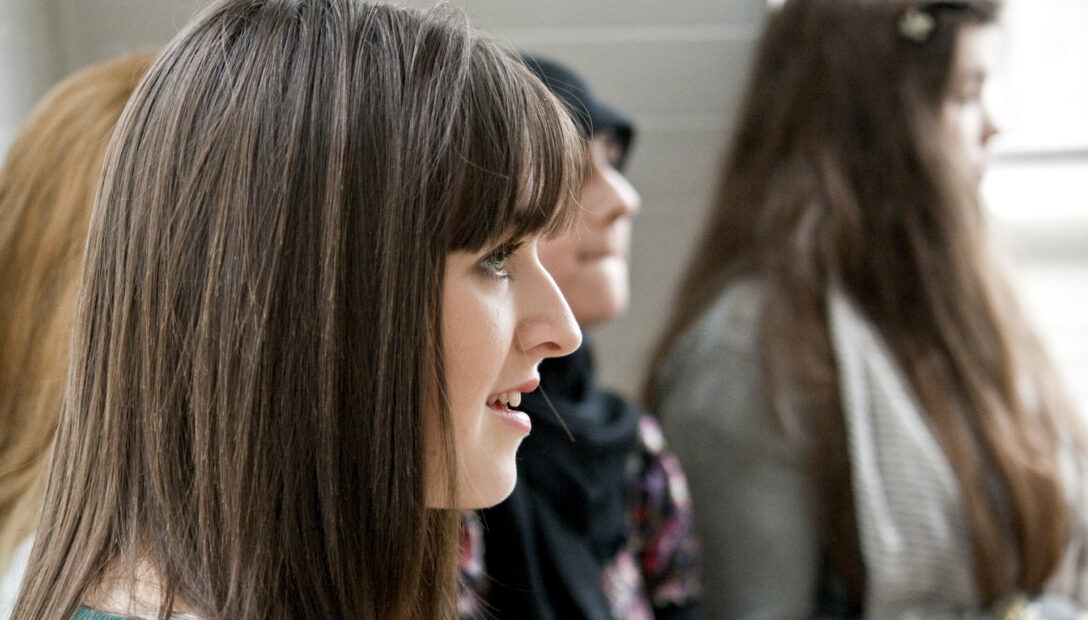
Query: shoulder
pixel 710 381
pixel 723 340
pixel 13 577
pixel 731 321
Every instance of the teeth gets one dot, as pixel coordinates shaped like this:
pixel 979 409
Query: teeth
pixel 510 399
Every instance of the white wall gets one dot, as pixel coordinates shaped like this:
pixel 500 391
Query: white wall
pixel 94 30
pixel 41 41
pixel 676 66
pixel 28 29
pixel 1041 209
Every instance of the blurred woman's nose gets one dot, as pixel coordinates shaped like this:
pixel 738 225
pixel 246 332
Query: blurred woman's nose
pixel 610 195
pixel 627 198
pixel 989 126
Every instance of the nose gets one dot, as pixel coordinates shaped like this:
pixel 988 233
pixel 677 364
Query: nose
pixel 621 197
pixel 546 325
pixel 989 126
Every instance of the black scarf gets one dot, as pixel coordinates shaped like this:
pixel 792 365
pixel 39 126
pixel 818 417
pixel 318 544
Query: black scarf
pixel 548 543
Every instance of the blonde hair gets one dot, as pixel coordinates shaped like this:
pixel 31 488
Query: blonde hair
pixel 47 187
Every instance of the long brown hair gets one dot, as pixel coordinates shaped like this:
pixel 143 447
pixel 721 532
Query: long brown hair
pixel 835 178
pixel 47 187
pixel 257 344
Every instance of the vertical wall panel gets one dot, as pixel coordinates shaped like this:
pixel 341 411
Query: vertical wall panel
pixel 95 30
pixel 29 60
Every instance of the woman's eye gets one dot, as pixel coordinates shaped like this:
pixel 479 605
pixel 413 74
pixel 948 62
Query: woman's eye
pixel 494 263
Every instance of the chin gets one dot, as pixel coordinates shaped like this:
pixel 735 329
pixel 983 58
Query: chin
pixel 475 498
pixel 606 309
pixel 596 319
pixel 600 291
pixel 478 486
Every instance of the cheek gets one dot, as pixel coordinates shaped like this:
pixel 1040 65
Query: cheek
pixel 963 127
pixel 596 192
pixel 476 343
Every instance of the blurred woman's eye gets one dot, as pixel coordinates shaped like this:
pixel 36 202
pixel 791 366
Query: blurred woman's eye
pixel 615 154
pixel 969 95
pixel 494 264
pixel 608 148
pixel 968 90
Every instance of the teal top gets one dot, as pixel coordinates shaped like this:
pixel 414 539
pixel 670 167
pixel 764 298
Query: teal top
pixel 84 613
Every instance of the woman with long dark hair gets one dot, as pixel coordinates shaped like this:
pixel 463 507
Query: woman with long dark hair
pixel 311 301
pixel 868 424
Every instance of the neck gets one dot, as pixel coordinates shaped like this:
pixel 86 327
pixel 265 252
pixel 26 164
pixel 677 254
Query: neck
pixel 132 590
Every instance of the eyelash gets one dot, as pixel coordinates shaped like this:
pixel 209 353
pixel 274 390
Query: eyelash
pixel 494 264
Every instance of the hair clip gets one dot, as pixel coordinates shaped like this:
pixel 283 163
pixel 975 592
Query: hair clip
pixel 916 25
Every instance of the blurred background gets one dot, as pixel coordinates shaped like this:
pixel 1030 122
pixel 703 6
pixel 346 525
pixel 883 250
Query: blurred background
pixel 678 67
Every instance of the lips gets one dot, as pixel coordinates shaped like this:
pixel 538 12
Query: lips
pixel 595 255
pixel 508 399
pixel 606 246
pixel 598 254
pixel 503 403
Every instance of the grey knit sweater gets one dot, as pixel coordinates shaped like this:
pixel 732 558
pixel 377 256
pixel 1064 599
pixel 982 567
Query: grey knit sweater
pixel 753 506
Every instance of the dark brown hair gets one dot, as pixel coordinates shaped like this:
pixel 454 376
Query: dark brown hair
pixel 47 187
pixel 258 342
pixel 835 178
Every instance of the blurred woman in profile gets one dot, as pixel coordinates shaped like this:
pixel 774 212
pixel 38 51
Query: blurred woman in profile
pixel 47 186
pixel 311 301
pixel 599 524
pixel 868 424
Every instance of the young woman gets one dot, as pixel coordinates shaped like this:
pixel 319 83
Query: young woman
pixel 599 525
pixel 47 189
pixel 311 294
pixel 868 424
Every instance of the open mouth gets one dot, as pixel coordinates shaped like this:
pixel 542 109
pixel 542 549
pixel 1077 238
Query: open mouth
pixel 503 405
pixel 505 400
